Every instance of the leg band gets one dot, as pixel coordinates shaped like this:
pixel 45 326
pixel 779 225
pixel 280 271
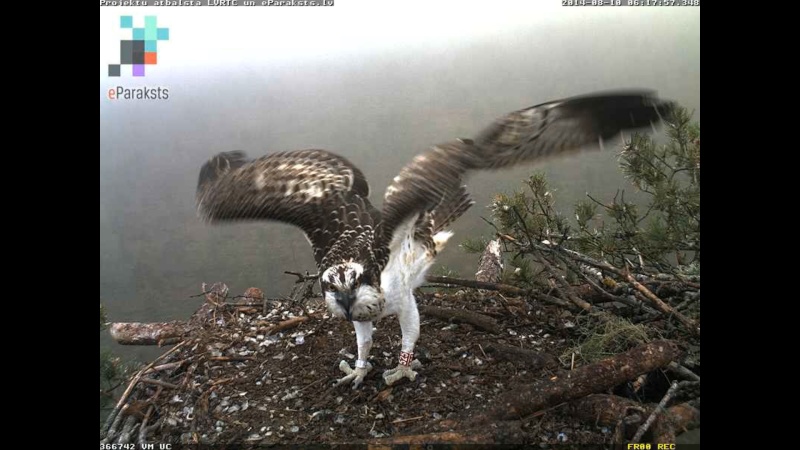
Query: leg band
pixel 406 358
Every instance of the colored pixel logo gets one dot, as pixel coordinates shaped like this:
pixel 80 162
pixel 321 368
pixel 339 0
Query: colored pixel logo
pixel 142 50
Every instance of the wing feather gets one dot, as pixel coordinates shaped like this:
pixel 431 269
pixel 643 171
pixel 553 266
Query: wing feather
pixel 550 129
pixel 306 188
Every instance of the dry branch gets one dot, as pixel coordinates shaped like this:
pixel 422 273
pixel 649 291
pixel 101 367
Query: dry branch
pixel 585 380
pixel 302 277
pixel 626 275
pixel 137 333
pixel 160 383
pixel 485 323
pixel 661 408
pixel 113 419
pixel 502 288
pixel 290 323
pixel 433 438
pixel 127 430
pixel 167 366
pixel 661 305
pixel 683 371
pixel 143 429
pixel 579 302
pixel 232 358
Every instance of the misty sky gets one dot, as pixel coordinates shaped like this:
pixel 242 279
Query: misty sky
pixel 375 83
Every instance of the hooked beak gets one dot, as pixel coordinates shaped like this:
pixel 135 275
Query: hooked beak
pixel 346 300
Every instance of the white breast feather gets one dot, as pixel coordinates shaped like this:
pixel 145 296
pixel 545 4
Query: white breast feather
pixel 409 261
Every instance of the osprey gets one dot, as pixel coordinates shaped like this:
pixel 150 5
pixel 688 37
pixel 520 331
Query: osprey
pixel 370 260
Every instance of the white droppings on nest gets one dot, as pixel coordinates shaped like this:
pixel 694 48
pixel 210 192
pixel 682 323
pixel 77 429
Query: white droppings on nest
pixel 290 396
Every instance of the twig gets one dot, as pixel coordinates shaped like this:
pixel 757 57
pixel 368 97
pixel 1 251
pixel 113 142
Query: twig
pixel 167 366
pixel 603 264
pixel 625 274
pixel 503 288
pixel 580 303
pixel 407 420
pixel 290 323
pixel 660 305
pixel 159 383
pixel 133 383
pixel 311 384
pixel 598 288
pixel 127 430
pixel 461 315
pixel 683 371
pixel 302 277
pixel 656 411
pixel 222 381
pixel 232 358
pixel 115 418
pixel 143 429
pixel 661 407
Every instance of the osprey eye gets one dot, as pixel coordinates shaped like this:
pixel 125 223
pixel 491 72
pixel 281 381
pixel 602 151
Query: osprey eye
pixel 330 288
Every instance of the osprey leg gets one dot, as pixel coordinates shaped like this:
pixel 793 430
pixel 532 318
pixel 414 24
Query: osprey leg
pixel 409 325
pixel 364 342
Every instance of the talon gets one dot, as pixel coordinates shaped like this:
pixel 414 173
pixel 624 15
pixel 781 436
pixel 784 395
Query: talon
pixel 355 375
pixel 392 376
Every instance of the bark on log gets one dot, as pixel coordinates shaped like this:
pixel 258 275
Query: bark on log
pixel 684 416
pixel 485 323
pixel 521 357
pixel 136 333
pixel 585 380
pixel 490 267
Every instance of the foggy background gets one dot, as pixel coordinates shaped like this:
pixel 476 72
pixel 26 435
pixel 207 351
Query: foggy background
pixel 374 83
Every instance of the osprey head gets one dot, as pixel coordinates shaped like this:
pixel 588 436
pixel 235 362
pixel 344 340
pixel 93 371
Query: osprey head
pixel 350 293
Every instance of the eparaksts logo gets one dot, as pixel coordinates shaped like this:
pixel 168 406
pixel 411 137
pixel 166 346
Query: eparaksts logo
pixel 136 56
pixel 141 50
pixel 138 93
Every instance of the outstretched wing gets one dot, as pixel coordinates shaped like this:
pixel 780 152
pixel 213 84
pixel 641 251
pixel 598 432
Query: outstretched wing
pixel 531 134
pixel 315 190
